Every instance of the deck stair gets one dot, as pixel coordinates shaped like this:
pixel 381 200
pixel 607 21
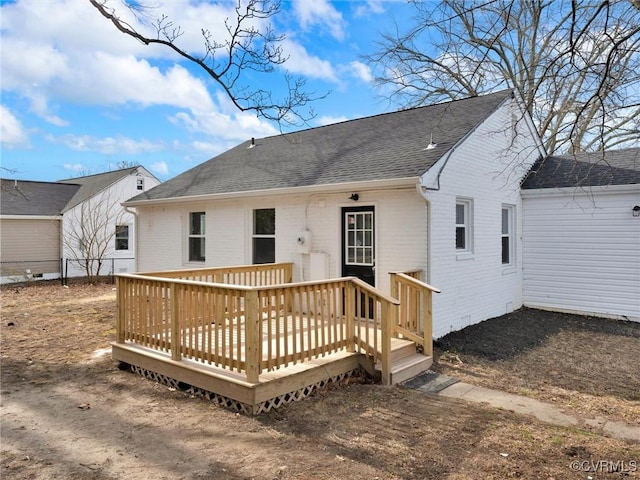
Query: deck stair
pixel 406 362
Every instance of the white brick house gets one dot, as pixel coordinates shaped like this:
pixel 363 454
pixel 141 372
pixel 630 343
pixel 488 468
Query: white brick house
pixel 435 189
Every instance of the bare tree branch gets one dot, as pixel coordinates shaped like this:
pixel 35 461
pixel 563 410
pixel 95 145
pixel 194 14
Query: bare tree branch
pixel 245 48
pixel 575 64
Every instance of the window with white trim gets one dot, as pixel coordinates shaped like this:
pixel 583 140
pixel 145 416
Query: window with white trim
pixel 264 235
pixel 463 225
pixel 140 183
pixel 197 236
pixel 508 235
pixel 122 237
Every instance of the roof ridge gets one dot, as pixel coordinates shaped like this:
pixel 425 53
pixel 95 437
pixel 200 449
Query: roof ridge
pixel 382 114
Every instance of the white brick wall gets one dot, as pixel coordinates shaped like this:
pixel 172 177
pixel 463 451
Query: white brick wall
pixel 487 168
pixel 401 224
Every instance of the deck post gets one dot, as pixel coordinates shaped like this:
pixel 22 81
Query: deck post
pixel 388 322
pixel 349 312
pixel 176 339
pixel 120 302
pixel 253 339
pixel 427 308
pixel 395 293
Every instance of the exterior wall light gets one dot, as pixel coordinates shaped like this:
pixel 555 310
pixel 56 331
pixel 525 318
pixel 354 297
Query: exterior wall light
pixel 355 197
pixel 636 211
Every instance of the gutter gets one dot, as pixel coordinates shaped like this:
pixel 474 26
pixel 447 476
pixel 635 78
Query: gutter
pixel 578 190
pixel 304 190
pixel 30 217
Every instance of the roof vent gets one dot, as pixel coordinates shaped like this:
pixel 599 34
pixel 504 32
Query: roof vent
pixel 431 145
pixel 253 143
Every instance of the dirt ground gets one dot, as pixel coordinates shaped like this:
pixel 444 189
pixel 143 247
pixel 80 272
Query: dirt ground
pixel 68 412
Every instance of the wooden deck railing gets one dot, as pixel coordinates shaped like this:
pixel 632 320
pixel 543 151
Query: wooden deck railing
pixel 415 315
pixel 247 275
pixel 249 329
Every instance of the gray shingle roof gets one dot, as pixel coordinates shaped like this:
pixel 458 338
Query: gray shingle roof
pixel 613 167
pixel 19 197
pixel 92 184
pixel 382 147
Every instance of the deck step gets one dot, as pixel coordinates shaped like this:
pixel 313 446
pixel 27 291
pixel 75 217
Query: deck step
pixel 401 349
pixel 409 367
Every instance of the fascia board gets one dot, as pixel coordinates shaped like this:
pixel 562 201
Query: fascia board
pixel 307 190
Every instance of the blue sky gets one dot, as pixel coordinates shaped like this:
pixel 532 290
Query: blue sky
pixel 78 97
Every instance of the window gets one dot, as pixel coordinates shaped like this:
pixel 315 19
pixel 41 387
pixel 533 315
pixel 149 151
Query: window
pixel 463 226
pixel 359 241
pixel 196 236
pixel 122 237
pixel 508 231
pixel 140 183
pixel 264 235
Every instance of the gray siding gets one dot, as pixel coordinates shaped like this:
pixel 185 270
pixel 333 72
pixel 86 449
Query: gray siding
pixel 29 244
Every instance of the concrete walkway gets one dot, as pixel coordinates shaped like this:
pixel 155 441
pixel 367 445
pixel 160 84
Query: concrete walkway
pixel 438 384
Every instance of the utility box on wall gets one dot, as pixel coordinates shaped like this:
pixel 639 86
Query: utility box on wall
pixel 303 241
pixel 318 266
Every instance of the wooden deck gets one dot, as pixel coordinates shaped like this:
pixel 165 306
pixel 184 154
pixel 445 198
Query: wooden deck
pixel 255 345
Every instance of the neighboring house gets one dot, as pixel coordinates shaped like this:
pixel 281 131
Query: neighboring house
pixel 30 226
pixel 582 234
pixel 50 228
pixel 434 189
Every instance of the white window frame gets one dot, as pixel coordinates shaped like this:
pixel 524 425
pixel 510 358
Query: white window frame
pixel 509 234
pixel 139 183
pixel 360 248
pixel 118 237
pixel 255 236
pixel 466 224
pixel 199 235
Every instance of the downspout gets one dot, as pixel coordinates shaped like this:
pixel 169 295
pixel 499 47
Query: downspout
pixel 135 236
pixel 423 190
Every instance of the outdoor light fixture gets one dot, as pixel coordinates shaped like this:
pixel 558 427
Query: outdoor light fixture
pixel 355 197
pixel 636 211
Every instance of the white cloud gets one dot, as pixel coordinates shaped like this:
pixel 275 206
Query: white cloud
pixel 369 7
pixel 328 120
pixel 107 145
pixel 226 127
pixel 12 132
pixel 69 52
pixel 322 13
pixel 362 71
pixel 300 62
pixel 75 167
pixel 160 168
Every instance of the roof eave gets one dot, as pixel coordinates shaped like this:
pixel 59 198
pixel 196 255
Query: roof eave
pixel 305 190
pixel 586 189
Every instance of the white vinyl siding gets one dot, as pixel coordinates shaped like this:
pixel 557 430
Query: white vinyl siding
pixel 582 252
pixel 29 244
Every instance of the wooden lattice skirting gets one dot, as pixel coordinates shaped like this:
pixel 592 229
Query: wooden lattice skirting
pixel 235 405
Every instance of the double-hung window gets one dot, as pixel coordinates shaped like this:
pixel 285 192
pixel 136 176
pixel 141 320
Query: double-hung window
pixel 508 235
pixel 463 225
pixel 264 235
pixel 197 236
pixel 122 237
